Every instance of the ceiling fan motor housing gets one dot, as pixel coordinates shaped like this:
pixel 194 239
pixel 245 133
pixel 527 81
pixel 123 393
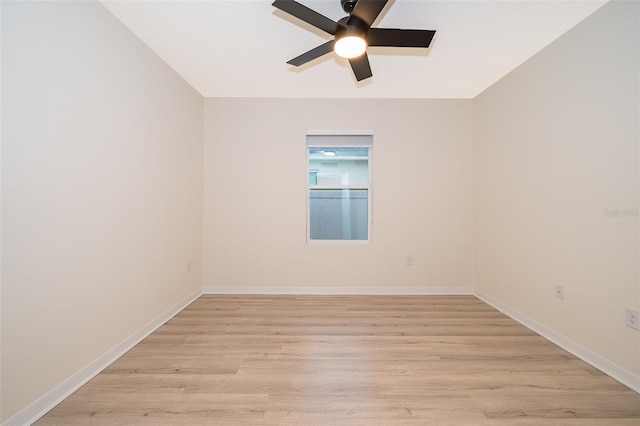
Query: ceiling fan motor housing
pixel 356 27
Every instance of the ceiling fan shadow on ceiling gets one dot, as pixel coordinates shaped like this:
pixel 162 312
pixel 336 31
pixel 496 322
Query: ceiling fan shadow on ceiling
pixel 353 33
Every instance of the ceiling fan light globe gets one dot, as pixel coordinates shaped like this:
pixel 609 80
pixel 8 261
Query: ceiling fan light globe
pixel 350 46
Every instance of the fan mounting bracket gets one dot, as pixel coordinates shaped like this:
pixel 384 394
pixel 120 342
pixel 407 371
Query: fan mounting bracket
pixel 348 5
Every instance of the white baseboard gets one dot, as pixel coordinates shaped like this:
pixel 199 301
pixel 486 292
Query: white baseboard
pixel 611 369
pixel 46 402
pixel 392 291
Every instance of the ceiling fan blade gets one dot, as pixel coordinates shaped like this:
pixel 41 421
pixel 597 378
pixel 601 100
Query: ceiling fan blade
pixel 360 66
pixel 307 15
pixel 367 11
pixel 399 38
pixel 312 54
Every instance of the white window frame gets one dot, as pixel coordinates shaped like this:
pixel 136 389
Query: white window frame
pixel 369 187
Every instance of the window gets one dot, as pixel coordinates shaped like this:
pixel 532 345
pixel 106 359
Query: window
pixel 339 192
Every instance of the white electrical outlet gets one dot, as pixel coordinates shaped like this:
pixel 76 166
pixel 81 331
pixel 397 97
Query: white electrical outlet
pixel 188 266
pixel 409 260
pixel 560 292
pixel 632 318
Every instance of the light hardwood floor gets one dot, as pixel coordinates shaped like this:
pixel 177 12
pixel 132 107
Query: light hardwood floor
pixel 347 360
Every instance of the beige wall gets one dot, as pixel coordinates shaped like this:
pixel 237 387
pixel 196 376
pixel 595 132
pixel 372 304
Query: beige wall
pixel 255 194
pixel 102 191
pixel 1 417
pixel 556 145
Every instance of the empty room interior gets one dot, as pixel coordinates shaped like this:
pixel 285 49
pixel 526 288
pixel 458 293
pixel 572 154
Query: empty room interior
pixel 194 231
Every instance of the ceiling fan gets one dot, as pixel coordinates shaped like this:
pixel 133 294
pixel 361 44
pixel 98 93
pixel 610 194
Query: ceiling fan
pixel 353 33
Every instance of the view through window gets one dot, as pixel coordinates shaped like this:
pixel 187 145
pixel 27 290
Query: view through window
pixel 339 187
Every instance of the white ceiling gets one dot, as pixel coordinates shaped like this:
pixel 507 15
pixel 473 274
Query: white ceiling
pixel 239 48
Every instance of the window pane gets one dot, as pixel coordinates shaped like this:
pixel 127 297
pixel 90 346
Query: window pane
pixel 340 166
pixel 338 214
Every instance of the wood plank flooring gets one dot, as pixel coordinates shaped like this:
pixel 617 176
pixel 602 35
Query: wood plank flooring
pixel 347 360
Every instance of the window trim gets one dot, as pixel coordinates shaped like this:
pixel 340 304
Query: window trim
pixel 369 187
